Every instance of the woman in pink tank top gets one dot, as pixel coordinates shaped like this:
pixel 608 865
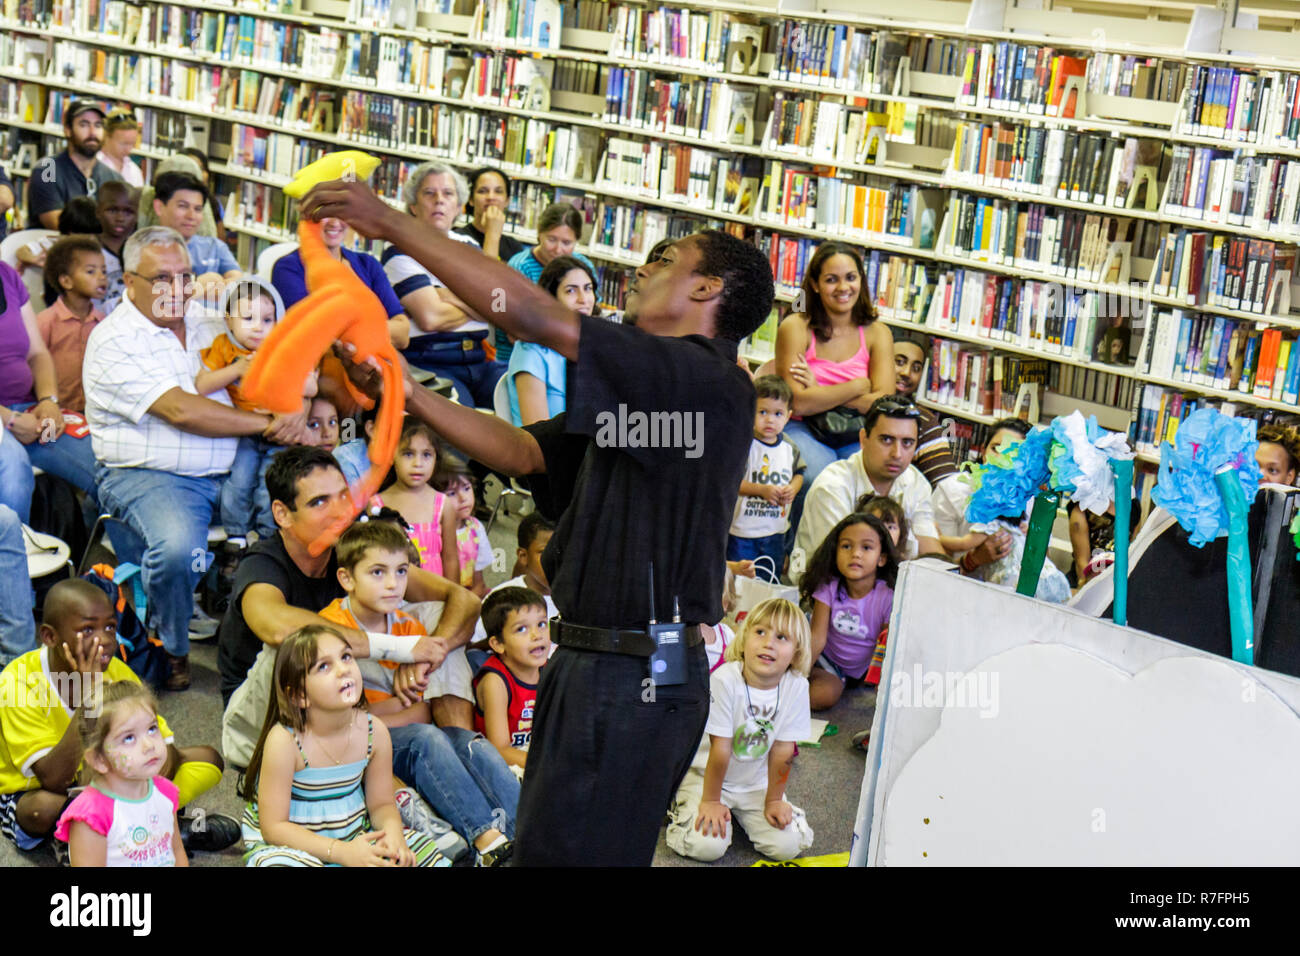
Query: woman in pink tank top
pixel 834 354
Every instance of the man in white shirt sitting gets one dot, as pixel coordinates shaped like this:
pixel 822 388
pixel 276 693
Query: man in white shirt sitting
pixel 162 449
pixel 883 466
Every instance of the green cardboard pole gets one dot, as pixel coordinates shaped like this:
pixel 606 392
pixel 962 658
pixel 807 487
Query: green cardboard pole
pixel 1040 533
pixel 1123 469
pixel 1241 615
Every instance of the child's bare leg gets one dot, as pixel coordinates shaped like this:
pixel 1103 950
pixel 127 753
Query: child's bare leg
pixel 452 711
pixel 824 689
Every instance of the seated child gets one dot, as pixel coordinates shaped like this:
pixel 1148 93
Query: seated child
pixel 891 515
pixel 353 455
pixel 475 549
pixel 849 587
pixel 1278 453
pixel 505 687
pixel 463 784
pixel 320 783
pixel 46 690
pixel 758 711
pixel 955 532
pixel 127 815
pixel 773 477
pixel 75 266
pixel 431 518
pixel 533 536
pixel 252 308
pixel 323 423
pixel 1092 539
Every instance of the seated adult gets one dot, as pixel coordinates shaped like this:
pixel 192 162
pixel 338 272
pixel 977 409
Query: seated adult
pixel 290 280
pixel 215 210
pixel 73 172
pixel 180 162
pixel 163 450
pixel 116 211
pixel 949 502
pixel 121 136
pixel 489 193
pixel 535 378
pixel 179 201
pixel 882 465
pixel 833 354
pixel 30 409
pixel 278 589
pixel 449 336
pixel 558 230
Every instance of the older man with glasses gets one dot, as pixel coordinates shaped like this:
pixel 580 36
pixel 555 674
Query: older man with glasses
pixel 163 449
pixel 882 466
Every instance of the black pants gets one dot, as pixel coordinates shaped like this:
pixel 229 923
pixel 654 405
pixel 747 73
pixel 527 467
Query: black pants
pixel 607 754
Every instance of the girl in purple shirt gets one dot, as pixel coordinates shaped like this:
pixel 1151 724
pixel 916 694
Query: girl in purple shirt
pixel 849 586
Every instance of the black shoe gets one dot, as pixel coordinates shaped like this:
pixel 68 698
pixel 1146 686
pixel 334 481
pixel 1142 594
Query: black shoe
pixel 205 832
pixel 498 856
pixel 178 672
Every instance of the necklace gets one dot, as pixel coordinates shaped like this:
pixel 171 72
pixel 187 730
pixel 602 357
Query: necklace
pixel 325 750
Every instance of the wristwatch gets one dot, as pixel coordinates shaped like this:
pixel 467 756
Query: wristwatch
pixel 48 398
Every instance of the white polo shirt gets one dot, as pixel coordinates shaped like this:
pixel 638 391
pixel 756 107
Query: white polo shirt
pixel 836 491
pixel 130 363
pixel 407 276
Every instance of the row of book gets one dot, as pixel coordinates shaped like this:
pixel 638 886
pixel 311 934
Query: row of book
pixel 960 377
pixel 1216 352
pixel 1097 168
pixel 1091 385
pixel 1158 411
pixel 524 23
pixel 680 37
pixel 1045 317
pixel 1229 272
pixel 828 132
pixel 711 109
pixel 967 440
pixel 888 210
pixel 1244 105
pixel 672 172
pixel 1071 243
pixel 1236 188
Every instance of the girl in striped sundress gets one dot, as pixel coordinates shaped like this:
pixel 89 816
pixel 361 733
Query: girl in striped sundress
pixel 320 783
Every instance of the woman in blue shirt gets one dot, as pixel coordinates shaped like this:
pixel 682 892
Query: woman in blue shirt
pixel 558 230
pixel 535 377
pixel 291 282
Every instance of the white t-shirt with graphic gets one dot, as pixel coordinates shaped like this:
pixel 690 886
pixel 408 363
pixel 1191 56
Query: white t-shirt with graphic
pixel 775 464
pixel 754 720
pixel 137 832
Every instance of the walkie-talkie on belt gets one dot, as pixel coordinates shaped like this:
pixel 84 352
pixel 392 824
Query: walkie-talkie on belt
pixel 668 662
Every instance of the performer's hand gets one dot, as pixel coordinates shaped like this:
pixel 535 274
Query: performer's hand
pixel 713 818
pixel 742 569
pixel 366 376
pixel 778 813
pixel 354 202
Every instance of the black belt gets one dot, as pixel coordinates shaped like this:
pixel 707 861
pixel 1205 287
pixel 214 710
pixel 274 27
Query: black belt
pixel 613 640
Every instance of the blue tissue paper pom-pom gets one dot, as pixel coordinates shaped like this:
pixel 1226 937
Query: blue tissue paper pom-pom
pixel 1206 441
pixel 1009 479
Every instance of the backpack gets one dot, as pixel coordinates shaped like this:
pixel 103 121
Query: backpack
pixel 125 589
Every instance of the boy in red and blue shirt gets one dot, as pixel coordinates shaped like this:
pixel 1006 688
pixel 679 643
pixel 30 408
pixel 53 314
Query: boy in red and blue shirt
pixel 505 687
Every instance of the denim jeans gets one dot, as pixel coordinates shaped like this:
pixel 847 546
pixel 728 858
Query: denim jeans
pixel 71 459
pixel 462 776
pixel 17 625
pixel 475 382
pixel 245 502
pixel 170 514
pixel 747 549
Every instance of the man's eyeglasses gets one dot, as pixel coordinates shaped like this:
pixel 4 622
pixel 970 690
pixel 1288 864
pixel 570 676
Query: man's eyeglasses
pixel 185 278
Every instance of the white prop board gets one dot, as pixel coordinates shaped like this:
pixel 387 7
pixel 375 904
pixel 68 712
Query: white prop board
pixel 1066 740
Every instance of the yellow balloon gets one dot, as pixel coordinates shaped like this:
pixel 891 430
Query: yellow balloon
pixel 345 164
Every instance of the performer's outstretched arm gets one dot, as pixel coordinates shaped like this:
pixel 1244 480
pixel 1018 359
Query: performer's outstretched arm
pixel 489 287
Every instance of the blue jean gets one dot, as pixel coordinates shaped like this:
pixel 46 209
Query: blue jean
pixel 72 459
pixel 747 549
pixel 462 776
pixel 17 625
pixel 245 502
pixel 816 456
pixel 475 381
pixel 170 514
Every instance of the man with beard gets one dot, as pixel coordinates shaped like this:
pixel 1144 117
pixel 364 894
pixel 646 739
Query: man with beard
pixel 73 172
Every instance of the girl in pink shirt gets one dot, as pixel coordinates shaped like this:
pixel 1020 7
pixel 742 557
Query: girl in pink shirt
pixel 427 511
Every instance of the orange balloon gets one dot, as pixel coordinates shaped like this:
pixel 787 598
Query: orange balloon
pixel 339 307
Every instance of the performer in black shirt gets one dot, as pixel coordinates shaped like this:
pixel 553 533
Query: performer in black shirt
pixel 642 468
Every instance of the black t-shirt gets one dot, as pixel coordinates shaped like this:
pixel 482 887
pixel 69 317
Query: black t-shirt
pixel 621 504
pixel 267 562
pixel 48 191
pixel 507 248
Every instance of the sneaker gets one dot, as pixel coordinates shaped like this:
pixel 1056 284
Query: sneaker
pixel 178 672
pixel 205 832
pixel 416 815
pixel 202 627
pixel 62 853
pixel 499 855
pixel 862 739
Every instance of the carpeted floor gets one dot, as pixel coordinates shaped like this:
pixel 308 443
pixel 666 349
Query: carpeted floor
pixel 826 780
